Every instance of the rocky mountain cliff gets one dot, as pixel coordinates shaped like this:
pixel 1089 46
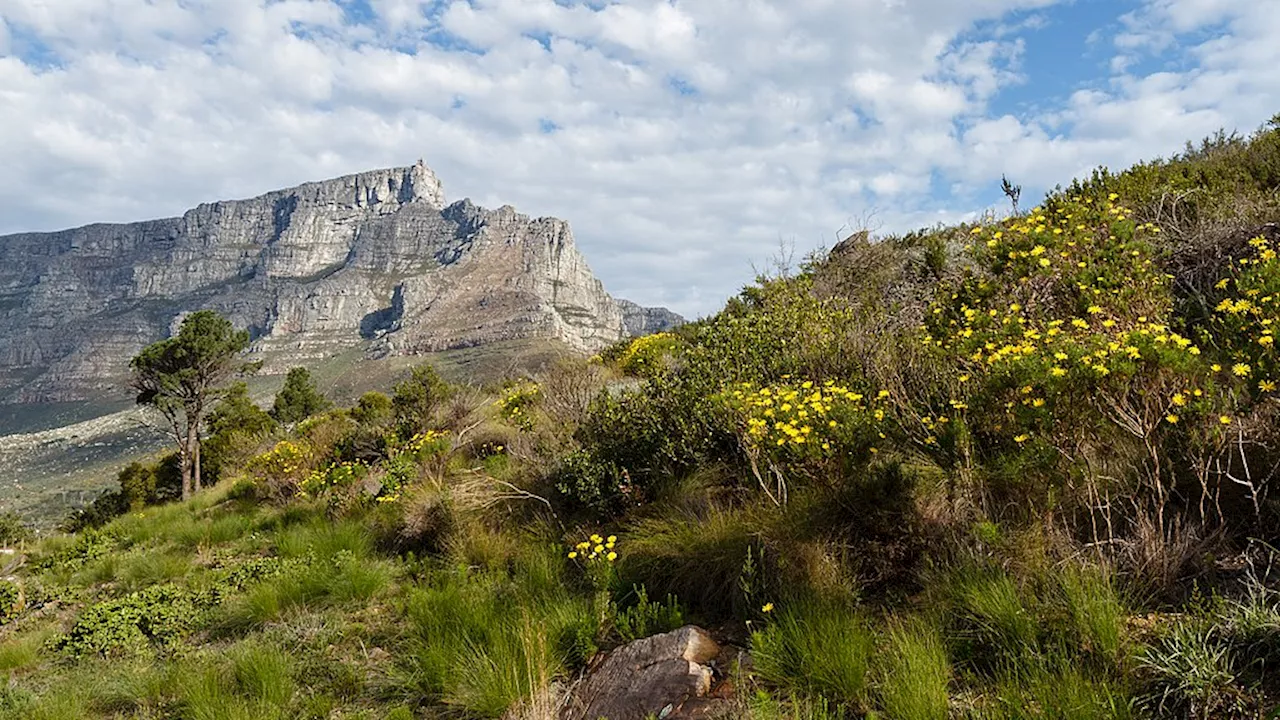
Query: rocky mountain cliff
pixel 375 259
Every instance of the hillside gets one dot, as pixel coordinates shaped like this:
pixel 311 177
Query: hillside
pixel 1021 468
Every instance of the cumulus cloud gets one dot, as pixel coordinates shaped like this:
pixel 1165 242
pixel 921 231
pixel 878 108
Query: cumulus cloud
pixel 682 139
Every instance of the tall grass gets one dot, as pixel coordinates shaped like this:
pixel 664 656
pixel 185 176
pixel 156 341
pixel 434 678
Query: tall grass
pixel 484 644
pixel 822 649
pixel 991 617
pixel 698 558
pixel 914 672
pixel 1095 611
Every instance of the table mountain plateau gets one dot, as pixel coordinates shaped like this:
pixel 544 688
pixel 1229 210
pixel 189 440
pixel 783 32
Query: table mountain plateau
pixel 375 260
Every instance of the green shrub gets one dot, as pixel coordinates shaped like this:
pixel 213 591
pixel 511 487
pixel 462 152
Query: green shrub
pixel 645 618
pixel 373 408
pixel 13 529
pixel 417 399
pixel 10 601
pixel 298 399
pixel 158 615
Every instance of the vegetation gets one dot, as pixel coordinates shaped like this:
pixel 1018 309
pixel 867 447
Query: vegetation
pixel 180 377
pixel 1022 468
pixel 298 399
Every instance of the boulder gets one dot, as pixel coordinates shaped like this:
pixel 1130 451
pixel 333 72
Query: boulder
pixel 668 676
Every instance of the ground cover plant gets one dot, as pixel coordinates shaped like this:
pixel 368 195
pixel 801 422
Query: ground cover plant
pixel 1020 468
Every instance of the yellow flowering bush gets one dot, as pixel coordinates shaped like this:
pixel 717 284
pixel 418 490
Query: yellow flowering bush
pixel 1245 319
pixel 808 419
pixel 280 469
pixel 646 355
pixel 517 403
pixel 332 476
pixel 596 556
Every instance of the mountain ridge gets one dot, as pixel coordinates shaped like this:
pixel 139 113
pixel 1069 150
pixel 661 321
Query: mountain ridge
pixel 374 259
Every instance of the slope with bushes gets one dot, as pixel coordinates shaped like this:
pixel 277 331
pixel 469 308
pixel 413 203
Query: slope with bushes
pixel 1022 468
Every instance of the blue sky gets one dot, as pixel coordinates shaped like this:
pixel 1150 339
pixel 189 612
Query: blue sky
pixel 684 140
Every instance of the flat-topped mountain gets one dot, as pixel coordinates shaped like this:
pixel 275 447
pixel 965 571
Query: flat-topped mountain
pixel 374 260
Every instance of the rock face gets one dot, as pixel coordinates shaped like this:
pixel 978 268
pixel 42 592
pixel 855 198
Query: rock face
pixel 374 260
pixel 665 676
pixel 639 320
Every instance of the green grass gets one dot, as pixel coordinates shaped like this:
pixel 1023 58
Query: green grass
pixel 484 645
pixel 1095 611
pixel 17 653
pixel 914 672
pixel 992 618
pixel 821 649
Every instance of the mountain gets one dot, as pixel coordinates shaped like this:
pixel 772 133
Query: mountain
pixel 375 260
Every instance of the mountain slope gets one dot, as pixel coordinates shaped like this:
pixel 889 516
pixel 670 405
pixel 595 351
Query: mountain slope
pixel 374 260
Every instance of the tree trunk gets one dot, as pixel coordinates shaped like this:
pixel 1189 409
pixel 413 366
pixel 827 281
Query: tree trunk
pixel 198 484
pixel 185 461
pixel 190 460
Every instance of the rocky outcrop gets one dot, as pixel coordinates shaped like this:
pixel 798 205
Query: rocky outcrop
pixel 671 675
pixel 374 260
pixel 640 320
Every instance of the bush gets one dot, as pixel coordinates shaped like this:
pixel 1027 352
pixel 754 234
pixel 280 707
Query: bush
pixel 13 529
pixel 10 601
pixel 373 408
pixel 417 399
pixel 158 615
pixel 298 399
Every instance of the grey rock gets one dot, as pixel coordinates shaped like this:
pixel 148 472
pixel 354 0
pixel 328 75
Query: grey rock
pixel 639 320
pixel 374 260
pixel 667 676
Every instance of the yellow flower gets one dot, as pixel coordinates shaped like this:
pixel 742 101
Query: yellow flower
pixel 768 607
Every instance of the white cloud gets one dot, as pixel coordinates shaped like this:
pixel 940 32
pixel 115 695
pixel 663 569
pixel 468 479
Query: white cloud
pixel 796 117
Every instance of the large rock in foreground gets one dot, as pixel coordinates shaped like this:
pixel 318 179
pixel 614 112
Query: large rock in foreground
pixel 668 676
pixel 375 259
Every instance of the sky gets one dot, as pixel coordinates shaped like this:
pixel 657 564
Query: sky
pixel 687 142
